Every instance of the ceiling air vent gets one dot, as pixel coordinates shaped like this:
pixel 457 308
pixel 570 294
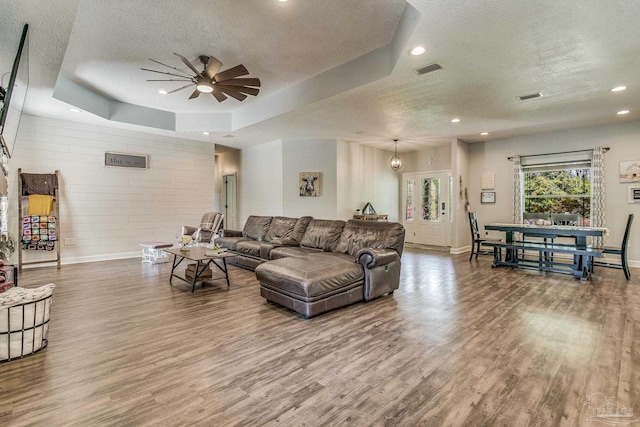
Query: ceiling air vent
pixel 533 95
pixel 429 68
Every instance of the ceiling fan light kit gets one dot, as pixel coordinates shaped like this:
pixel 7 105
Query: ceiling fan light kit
pixel 220 84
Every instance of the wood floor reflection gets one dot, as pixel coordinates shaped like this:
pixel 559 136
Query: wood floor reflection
pixel 458 344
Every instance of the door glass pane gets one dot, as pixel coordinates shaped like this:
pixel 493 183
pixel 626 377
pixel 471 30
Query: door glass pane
pixel 450 210
pixel 430 198
pixel 409 200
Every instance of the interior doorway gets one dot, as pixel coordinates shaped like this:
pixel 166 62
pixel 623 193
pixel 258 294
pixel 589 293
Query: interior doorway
pixel 427 215
pixel 228 200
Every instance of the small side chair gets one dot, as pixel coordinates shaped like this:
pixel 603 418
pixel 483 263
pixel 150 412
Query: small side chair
pixel 209 227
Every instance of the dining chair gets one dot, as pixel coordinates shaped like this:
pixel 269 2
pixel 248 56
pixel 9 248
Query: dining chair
pixel 622 251
pixel 476 239
pixel 565 219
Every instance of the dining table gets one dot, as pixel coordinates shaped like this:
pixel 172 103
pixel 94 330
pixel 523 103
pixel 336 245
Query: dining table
pixel 574 244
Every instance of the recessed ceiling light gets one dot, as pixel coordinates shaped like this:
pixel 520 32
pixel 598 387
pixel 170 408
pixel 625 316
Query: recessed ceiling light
pixel 418 50
pixel 484 133
pixel 623 112
pixel 455 120
pixel 618 89
pixel 206 133
pixel 283 1
pixel 74 110
pixel 162 92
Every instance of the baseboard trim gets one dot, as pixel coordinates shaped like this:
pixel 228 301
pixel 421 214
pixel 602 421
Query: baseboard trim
pixel 458 251
pixel 85 259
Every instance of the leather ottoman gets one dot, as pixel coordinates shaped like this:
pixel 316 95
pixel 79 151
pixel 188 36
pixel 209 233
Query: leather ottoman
pixel 312 284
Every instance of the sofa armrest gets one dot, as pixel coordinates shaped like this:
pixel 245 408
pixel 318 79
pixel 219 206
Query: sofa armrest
pixel 231 233
pixel 371 257
pixel 381 271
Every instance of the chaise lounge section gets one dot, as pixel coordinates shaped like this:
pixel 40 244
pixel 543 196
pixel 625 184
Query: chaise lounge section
pixel 331 264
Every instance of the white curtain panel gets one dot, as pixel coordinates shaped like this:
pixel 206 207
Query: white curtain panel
pixel 517 190
pixel 597 193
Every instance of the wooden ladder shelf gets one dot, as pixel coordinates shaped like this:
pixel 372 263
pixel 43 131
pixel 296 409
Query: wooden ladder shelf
pixel 21 214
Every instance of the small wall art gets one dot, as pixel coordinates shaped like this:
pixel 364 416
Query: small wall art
pixel 634 194
pixel 488 197
pixel 310 184
pixel 630 171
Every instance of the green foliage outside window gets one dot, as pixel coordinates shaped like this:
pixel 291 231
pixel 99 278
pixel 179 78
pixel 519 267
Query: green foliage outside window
pixel 559 191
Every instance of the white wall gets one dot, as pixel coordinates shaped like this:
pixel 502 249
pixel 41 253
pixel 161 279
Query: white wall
pixel 110 211
pixel 429 159
pixel 364 176
pixel 624 140
pixel 260 181
pixel 309 156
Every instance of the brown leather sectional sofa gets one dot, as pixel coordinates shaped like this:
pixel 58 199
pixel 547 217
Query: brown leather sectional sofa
pixel 314 265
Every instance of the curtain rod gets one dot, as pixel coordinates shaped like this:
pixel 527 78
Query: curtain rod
pixel 561 152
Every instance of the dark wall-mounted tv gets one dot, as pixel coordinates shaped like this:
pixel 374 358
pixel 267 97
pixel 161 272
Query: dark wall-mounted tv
pixel 16 92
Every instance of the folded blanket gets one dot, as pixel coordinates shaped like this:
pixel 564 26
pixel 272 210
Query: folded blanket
pixel 40 204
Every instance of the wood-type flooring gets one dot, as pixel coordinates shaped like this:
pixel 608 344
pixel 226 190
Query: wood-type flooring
pixel 459 344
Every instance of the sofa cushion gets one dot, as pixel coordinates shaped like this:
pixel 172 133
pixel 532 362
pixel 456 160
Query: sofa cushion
pixel 291 251
pixel 231 242
pixel 256 227
pixel 322 234
pixel 280 228
pixel 370 234
pixel 311 276
pixel 300 227
pixel 249 247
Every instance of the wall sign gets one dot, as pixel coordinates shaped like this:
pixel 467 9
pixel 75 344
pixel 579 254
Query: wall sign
pixel 126 160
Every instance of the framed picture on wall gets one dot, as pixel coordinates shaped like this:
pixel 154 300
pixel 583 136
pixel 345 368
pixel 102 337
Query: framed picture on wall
pixel 630 171
pixel 487 197
pixel 634 194
pixel 310 184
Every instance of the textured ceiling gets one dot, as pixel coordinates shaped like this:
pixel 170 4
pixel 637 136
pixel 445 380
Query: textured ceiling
pixel 492 51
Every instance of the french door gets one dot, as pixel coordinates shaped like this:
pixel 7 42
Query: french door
pixel 427 215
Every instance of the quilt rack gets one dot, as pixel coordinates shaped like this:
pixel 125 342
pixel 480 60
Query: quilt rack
pixel 41 184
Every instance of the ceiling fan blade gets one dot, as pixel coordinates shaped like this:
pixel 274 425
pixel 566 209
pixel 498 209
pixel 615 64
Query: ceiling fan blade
pixel 234 93
pixel 238 70
pixel 242 82
pixel 212 67
pixel 187 63
pixel 218 95
pixel 195 94
pixel 183 87
pixel 164 72
pixel 169 66
pixel 241 89
pixel 168 80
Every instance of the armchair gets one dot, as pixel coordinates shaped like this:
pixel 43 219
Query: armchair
pixel 209 226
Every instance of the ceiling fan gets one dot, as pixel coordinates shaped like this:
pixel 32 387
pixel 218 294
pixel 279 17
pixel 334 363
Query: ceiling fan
pixel 210 80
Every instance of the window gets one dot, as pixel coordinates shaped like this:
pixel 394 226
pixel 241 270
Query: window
pixel 558 188
pixel 430 195
pixel 409 202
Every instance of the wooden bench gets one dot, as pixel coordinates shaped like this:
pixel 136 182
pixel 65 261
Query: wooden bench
pixel 580 267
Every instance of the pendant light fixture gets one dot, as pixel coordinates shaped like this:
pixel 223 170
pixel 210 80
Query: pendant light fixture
pixel 395 162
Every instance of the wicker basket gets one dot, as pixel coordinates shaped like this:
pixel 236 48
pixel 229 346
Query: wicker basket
pixel 24 327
